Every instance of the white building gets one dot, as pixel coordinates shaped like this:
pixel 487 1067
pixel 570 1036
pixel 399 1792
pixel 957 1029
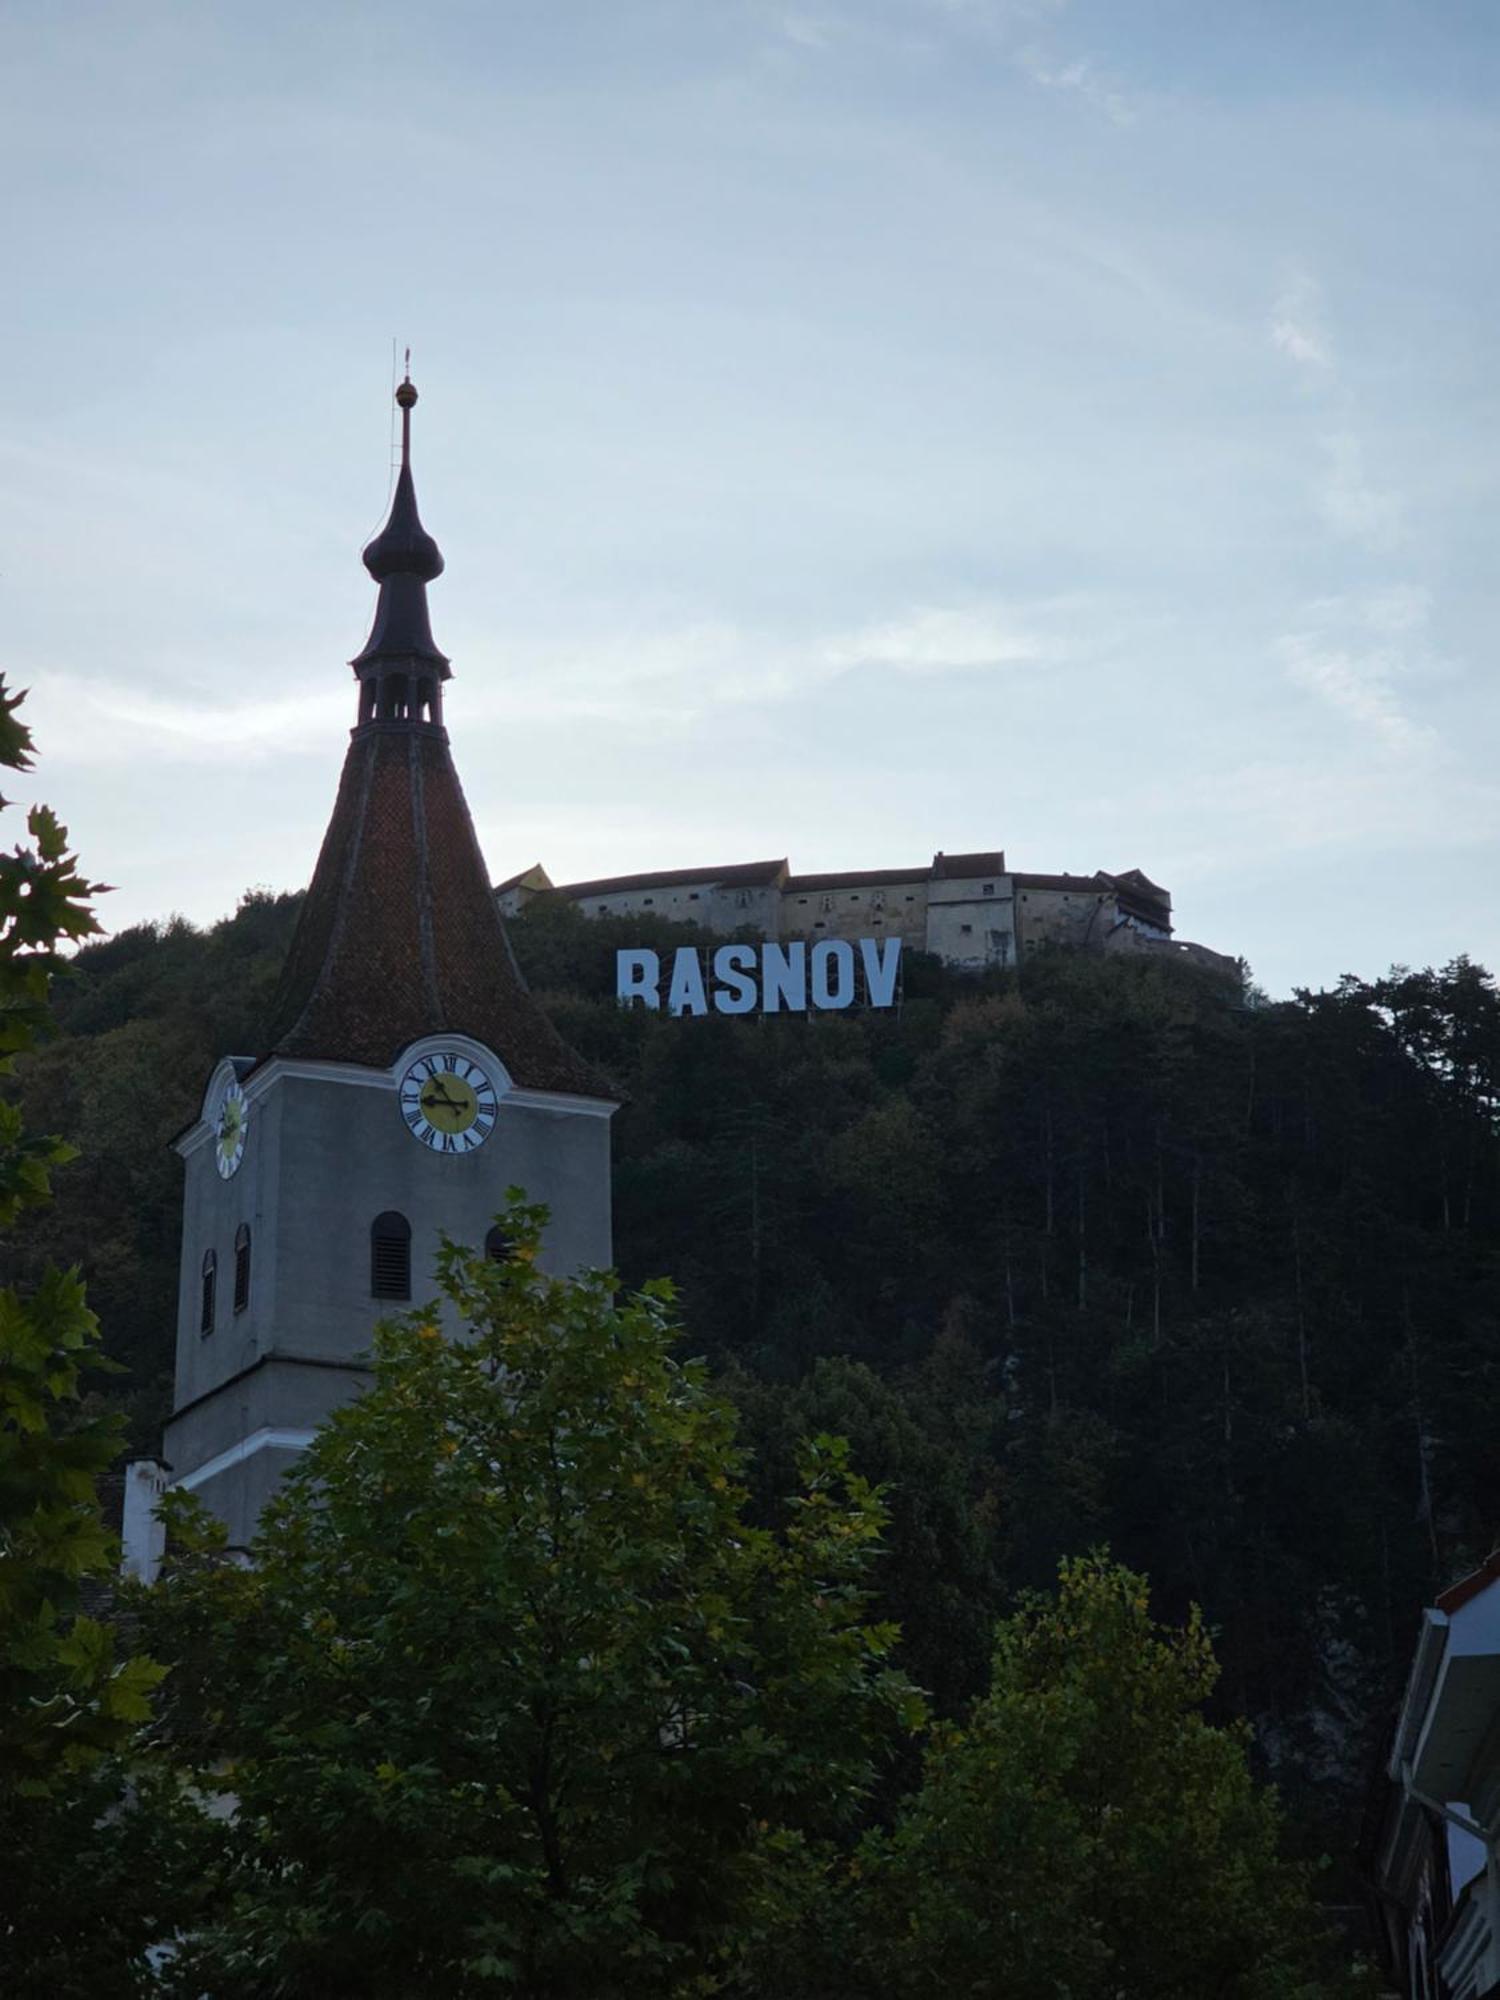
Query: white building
pixel 1434 1862
pixel 968 909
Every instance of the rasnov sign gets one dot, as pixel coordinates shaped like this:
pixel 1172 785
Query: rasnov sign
pixel 776 978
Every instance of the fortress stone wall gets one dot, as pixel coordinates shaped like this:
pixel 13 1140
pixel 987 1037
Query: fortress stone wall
pixel 968 909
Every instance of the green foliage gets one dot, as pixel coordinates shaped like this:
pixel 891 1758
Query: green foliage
pixel 1222 1271
pixel 68 1699
pixel 1088 1832
pixel 513 1696
pixel 144 1016
pixel 928 1439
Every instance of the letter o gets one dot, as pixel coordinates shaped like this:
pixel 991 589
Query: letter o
pixel 832 963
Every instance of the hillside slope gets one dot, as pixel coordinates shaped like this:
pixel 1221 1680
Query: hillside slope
pixel 1100 1255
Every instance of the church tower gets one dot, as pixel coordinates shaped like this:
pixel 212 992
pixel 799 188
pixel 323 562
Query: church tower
pixel 407 1079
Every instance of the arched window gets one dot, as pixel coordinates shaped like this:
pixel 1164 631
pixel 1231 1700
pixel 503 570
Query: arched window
pixel 242 1267
pixel 210 1279
pixel 390 1256
pixel 498 1246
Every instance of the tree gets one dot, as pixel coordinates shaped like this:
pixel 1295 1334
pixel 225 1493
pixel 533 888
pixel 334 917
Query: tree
pixel 937 1578
pixel 69 1702
pixel 1089 1832
pixel 511 1697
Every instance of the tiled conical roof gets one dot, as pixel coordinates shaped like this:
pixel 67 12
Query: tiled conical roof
pixel 400 936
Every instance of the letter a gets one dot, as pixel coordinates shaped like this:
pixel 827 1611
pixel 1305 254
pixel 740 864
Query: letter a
pixel 686 995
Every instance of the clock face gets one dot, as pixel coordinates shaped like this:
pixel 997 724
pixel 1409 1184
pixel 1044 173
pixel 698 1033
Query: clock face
pixel 231 1119
pixel 448 1102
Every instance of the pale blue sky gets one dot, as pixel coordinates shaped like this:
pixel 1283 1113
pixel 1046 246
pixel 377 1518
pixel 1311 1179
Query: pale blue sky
pixel 853 430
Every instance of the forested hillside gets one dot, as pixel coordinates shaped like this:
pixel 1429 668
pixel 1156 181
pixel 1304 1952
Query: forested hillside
pixel 1099 1254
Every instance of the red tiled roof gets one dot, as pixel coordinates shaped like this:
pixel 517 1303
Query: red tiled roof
pixel 743 875
pixel 399 936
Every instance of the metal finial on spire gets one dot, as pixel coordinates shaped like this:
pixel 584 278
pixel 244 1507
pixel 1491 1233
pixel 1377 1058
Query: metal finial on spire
pixel 403 545
pixel 406 396
pixel 403 559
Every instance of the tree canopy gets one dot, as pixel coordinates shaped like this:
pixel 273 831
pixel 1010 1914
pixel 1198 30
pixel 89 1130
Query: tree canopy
pixel 512 1695
pixel 71 1698
pixel 1088 1831
pixel 1087 1251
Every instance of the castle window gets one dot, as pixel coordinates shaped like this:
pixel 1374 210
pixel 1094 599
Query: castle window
pixel 989 888
pixel 802 899
pixel 966 929
pixel 210 1282
pixel 855 897
pixel 242 1267
pixel 692 895
pixel 498 1246
pixel 911 899
pixel 878 899
pixel 390 1256
pixel 819 925
pixel 648 899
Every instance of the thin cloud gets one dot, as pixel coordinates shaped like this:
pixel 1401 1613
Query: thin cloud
pixel 1296 328
pixel 78 720
pixel 1357 686
pixel 649 682
pixel 1082 77
pixel 939 641
pixel 1349 501
pixel 1300 342
pixel 808 31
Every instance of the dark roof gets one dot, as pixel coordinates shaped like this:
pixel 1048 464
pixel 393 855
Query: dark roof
pixel 1073 884
pixel 1457 1595
pixel 1133 878
pixel 1134 889
pixel 964 867
pixel 400 936
pixel 744 875
pixel 857 878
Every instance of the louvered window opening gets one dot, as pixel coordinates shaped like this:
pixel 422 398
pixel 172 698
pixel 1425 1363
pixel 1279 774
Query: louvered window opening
pixel 210 1280
pixel 390 1256
pixel 242 1267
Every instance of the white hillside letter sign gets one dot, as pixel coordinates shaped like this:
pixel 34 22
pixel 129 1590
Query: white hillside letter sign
pixel 638 977
pixel 774 978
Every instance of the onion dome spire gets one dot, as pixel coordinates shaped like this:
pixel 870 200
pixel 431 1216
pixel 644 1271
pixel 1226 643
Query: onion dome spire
pixel 400 667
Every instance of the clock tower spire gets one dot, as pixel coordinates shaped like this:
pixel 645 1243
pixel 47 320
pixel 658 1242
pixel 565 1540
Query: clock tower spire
pixel 406 1079
pixel 401 672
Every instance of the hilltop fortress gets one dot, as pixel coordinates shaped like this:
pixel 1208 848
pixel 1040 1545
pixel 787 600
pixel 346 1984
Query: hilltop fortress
pixel 967 909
